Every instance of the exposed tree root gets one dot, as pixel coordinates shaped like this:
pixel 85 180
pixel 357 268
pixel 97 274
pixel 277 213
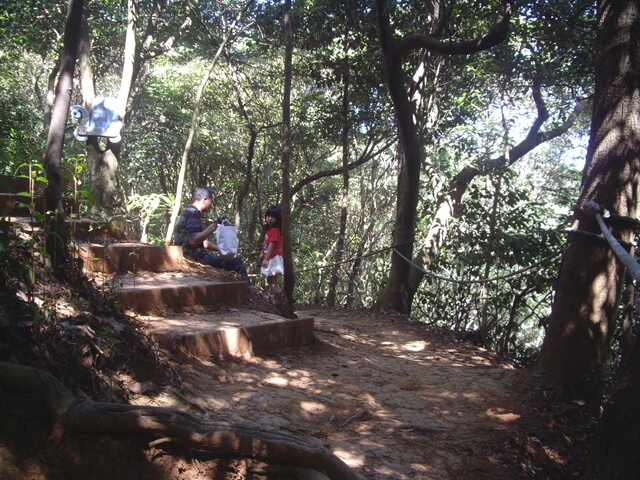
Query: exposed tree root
pixel 86 416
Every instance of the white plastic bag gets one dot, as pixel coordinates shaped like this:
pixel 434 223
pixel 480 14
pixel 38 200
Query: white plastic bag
pixel 227 240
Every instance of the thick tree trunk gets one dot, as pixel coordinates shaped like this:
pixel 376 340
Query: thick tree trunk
pixel 617 444
pixel 396 294
pixel 590 281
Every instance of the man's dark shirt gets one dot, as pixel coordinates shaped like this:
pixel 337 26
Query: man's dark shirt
pixel 188 225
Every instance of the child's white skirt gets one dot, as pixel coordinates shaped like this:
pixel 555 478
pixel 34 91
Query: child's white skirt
pixel 276 267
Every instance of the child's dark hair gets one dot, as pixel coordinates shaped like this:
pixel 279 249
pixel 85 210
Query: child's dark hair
pixel 276 213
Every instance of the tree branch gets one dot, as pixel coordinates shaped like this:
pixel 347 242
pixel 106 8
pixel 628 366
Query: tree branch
pixel 534 136
pixel 364 158
pixel 495 36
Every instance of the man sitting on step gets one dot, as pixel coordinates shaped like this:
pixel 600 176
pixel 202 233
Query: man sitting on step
pixel 195 240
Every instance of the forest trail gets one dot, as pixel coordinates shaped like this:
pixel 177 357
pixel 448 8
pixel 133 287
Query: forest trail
pixel 394 400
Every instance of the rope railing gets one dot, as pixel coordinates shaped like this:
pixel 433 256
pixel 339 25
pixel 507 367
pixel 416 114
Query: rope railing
pixel 430 274
pixel 479 280
pixel 592 208
pixel 352 259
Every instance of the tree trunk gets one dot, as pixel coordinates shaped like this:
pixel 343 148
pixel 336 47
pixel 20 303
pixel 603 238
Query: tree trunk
pixel 346 127
pixel 590 280
pixel 396 294
pixel 285 169
pixel 253 138
pixel 627 328
pixel 408 100
pixel 194 122
pixel 408 156
pixel 55 220
pixel 489 255
pixel 105 167
pixel 617 444
pixel 135 65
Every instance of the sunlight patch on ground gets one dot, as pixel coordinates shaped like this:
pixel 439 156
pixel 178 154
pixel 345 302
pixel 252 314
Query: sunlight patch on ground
pixel 168 399
pixel 416 346
pixel 447 394
pixel 501 415
pixel 302 382
pixel 353 459
pixel 314 408
pixel 242 377
pixel 277 381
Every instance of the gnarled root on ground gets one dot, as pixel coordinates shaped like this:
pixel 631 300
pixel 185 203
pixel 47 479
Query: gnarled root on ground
pixel 86 416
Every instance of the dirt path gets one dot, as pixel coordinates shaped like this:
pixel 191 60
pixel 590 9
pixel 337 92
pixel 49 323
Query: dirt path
pixel 393 400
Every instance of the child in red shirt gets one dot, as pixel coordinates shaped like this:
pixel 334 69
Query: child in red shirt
pixel 272 263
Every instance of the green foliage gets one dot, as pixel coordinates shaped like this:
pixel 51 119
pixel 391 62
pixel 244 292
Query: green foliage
pixel 337 52
pixel 148 210
pixel 21 129
pixel 34 26
pixel 531 217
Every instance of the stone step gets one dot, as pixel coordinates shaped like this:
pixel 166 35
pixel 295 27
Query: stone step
pixel 80 229
pixel 11 184
pixel 203 313
pixel 19 205
pixel 125 257
pixel 235 333
pixel 176 292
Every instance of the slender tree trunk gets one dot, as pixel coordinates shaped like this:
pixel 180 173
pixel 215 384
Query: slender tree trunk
pixel 287 254
pixel 590 280
pixel 346 127
pixel 354 277
pixel 488 256
pixel 253 137
pixel 370 213
pixel 55 221
pixel 187 148
pixel 194 123
pixel 87 83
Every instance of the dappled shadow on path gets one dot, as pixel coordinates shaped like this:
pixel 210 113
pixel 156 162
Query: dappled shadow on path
pixel 393 399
